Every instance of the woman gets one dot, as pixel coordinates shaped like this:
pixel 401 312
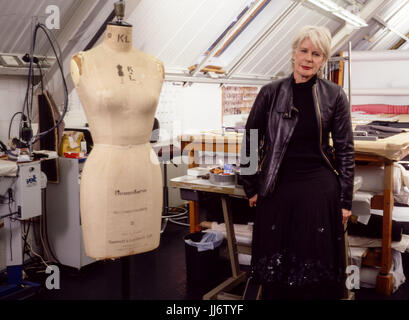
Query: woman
pixel 303 187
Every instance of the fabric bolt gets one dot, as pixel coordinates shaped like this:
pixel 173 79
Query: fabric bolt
pixel 361 205
pixel 364 242
pixel 378 131
pixel 368 276
pixel 374 228
pixel 372 178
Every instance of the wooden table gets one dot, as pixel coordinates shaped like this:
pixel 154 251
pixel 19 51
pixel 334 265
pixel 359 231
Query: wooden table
pixel 198 184
pixel 191 144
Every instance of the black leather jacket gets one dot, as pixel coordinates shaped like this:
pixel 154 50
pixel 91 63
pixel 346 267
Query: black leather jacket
pixel 275 117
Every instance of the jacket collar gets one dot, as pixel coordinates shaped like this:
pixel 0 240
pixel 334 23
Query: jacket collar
pixel 285 93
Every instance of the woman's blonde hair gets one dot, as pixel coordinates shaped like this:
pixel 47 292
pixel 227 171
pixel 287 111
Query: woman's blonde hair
pixel 319 36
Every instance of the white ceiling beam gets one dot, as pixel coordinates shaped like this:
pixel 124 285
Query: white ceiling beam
pixel 387 26
pixel 248 80
pixel 386 31
pixel 347 31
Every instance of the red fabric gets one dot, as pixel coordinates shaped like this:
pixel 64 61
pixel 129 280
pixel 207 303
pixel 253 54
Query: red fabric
pixel 381 108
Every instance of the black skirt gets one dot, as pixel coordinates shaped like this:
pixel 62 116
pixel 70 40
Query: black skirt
pixel 298 249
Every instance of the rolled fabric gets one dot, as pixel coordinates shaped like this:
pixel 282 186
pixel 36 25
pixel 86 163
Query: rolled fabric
pixel 372 178
pixel 361 206
pixel 374 228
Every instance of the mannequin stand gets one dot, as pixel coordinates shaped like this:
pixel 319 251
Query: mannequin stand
pixel 126 272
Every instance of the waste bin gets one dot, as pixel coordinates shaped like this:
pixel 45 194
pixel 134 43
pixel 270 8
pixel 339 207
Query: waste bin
pixel 202 258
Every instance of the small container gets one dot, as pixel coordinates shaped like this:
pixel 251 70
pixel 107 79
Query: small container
pixel 222 180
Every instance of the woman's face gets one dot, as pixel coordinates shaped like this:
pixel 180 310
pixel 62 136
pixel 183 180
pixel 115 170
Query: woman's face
pixel 307 61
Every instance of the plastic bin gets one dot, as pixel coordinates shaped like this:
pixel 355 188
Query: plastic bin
pixel 202 266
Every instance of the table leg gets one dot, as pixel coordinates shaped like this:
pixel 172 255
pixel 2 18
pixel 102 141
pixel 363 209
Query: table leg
pixel 237 275
pixel 384 279
pixel 231 238
pixel 194 216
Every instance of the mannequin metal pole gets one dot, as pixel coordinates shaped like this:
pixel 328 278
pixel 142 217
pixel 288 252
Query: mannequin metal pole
pixel 165 189
pixel 126 270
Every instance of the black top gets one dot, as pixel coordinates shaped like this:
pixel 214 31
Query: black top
pixel 303 152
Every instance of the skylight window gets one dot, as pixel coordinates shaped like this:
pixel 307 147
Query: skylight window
pixel 212 60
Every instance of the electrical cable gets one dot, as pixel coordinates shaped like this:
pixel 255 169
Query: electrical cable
pixel 36 254
pixel 6 150
pixel 25 237
pixel 28 243
pixel 48 33
pixel 11 242
pixel 27 105
pixel 11 122
pixel 11 213
pixel 11 230
pixel 41 77
pixel 36 260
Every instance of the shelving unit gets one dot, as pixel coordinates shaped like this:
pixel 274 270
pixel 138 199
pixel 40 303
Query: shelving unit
pixel 385 202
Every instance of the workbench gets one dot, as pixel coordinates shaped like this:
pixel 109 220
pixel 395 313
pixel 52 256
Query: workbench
pixel 195 186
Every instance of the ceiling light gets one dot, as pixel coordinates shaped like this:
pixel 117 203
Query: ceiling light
pixel 336 10
pixel 326 5
pixel 343 17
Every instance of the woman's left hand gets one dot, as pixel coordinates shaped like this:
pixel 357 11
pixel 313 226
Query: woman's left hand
pixel 345 215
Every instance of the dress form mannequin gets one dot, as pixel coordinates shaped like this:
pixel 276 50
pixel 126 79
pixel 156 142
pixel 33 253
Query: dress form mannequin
pixel 121 184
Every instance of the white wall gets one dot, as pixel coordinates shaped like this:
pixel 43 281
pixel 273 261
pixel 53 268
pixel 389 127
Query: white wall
pixel 379 77
pixel 12 93
pixel 189 109
pixel 202 110
pixel 75 116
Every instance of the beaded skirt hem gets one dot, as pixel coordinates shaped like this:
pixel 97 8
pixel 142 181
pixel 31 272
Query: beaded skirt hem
pixel 298 237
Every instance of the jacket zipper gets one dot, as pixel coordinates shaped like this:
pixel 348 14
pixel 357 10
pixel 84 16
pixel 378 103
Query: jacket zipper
pixel 318 112
pixel 264 157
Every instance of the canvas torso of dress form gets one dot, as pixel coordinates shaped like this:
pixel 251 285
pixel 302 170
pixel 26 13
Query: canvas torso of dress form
pixel 121 184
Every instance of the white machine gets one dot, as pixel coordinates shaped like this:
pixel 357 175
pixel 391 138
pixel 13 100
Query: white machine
pixel 20 189
pixel 28 190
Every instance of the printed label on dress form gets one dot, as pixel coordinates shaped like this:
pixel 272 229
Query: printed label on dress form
pixel 130 71
pixel 128 217
pixel 123 38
